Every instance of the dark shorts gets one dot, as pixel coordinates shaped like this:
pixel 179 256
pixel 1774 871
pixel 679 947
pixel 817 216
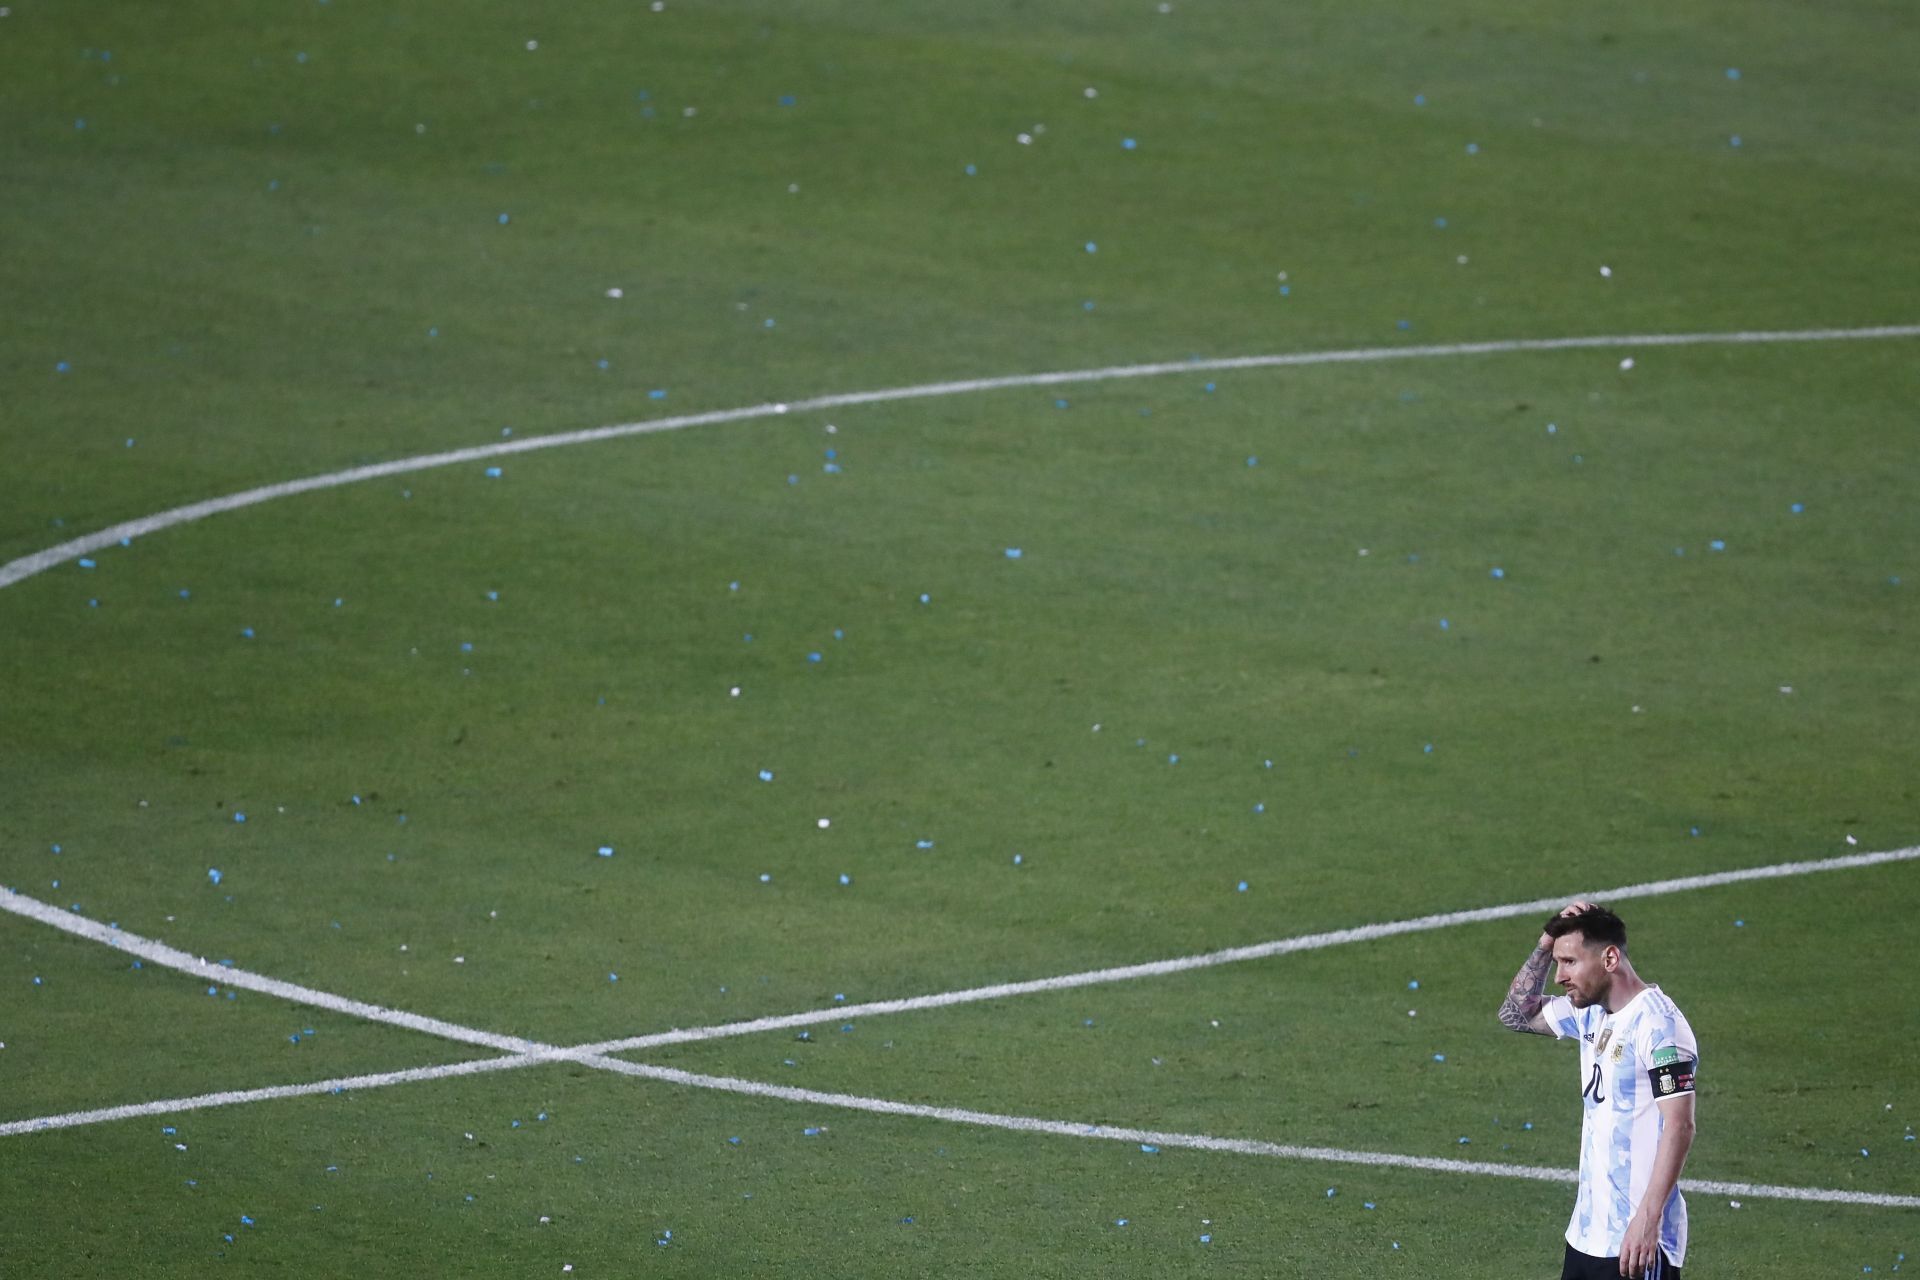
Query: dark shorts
pixel 1584 1266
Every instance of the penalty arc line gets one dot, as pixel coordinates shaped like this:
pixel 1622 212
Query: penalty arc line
pixel 526 1053
pixel 38 562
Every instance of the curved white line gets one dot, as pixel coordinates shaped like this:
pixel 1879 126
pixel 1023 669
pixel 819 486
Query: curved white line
pixel 527 1053
pixel 40 561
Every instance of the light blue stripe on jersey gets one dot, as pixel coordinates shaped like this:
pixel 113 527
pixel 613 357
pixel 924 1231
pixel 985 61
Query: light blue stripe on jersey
pixel 1626 1090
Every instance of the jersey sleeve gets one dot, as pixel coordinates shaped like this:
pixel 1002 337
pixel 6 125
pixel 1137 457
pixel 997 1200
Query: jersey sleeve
pixel 1669 1055
pixel 1561 1017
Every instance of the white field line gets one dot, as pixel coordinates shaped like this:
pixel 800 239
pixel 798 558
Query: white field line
pixel 949 1115
pixel 1205 1142
pixel 1234 955
pixel 528 1053
pixel 146 949
pixel 39 561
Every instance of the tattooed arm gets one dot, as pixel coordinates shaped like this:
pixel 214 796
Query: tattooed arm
pixel 1526 996
pixel 1520 1011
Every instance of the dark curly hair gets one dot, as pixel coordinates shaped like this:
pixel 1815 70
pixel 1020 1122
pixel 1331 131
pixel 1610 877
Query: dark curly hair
pixel 1597 925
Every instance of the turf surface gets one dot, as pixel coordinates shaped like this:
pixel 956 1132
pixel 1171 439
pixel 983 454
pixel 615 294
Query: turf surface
pixel 253 244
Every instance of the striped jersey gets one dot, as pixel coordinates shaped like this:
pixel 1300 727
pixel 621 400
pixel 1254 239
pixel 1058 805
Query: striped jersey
pixel 1629 1059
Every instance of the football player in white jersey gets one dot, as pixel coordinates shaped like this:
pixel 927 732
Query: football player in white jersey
pixel 1637 1061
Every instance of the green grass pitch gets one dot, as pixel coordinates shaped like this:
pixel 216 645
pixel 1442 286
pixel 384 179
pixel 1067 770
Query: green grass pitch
pixel 1282 650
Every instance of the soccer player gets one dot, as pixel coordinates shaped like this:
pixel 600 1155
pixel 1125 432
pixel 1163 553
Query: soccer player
pixel 1637 1057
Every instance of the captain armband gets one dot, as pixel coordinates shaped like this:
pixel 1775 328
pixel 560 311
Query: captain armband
pixel 1671 1073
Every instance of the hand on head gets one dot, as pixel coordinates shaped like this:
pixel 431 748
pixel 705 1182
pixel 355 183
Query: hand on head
pixel 1571 909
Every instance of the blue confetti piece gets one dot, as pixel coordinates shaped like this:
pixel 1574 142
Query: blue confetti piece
pixel 1473 148
pixel 1439 1057
pixel 168 1130
pixel 1252 461
pixel 733 1142
pixel 1119 1222
pixel 1528 1125
pixel 1014 553
pixel 1018 859
pixel 245 1220
pixel 1497 573
pixel 1414 985
pixel 1463 1141
pixel 1419 99
pixel 1733 73
pixel 1368 1204
pixel 766 878
pixel 815 656
pixel 1332 1192
pixel 504 219
pixel 1739 924
pixel 845 878
pixel 1260 808
pixel 213 874
pixel 1207 1238
pixel 247 632
pixel 1797 508
pixel 86 563
pixel 1092 247
pixel 1241 887
pixel 1440 223
pixel 1149 1149
pixel 1734 141
pixel 925 598
pixel 613 977
pixel 1173 759
pixel 604 364
pixel 923 844
pixel 1445 625
pixel 1403 325
pixel 1427 750
pixel 970 171
pixel 1718 544
pixel 293 1039
pixel 839 634
pixel 811 1131
pixel 605 851
pixel 786 100
pixel 766 775
pixel 1061 404
pixel 1210 388
pixel 239 817
pixel 493 473
pixel 658 393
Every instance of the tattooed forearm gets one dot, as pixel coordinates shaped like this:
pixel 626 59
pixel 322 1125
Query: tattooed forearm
pixel 1520 1011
